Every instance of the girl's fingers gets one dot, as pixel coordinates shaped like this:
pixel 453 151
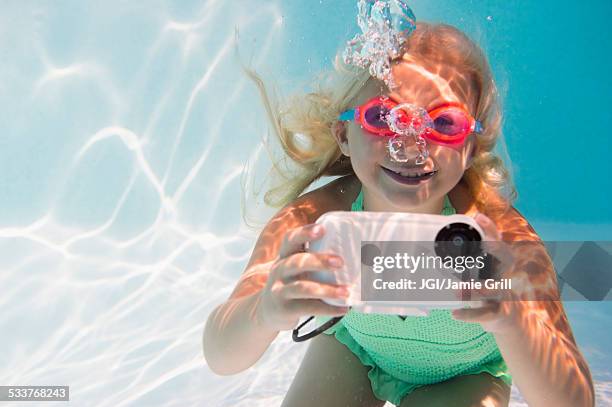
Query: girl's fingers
pixel 485 313
pixel 488 227
pixel 494 246
pixel 502 253
pixel 289 269
pixel 489 294
pixel 296 238
pixel 315 307
pixel 304 289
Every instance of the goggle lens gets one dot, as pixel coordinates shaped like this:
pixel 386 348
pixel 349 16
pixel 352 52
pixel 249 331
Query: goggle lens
pixel 375 116
pixel 451 122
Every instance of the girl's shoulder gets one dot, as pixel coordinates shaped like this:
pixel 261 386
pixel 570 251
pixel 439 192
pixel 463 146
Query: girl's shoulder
pixel 337 195
pixel 514 227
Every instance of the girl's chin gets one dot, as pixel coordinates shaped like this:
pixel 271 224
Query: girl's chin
pixel 405 198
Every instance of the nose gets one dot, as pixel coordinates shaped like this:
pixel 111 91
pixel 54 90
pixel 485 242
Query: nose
pixel 403 148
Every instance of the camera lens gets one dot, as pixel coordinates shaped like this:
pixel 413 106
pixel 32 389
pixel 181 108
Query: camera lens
pixel 458 239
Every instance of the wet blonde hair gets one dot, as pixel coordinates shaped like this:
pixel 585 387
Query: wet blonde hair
pixel 303 123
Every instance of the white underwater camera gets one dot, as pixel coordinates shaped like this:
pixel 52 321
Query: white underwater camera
pixel 346 232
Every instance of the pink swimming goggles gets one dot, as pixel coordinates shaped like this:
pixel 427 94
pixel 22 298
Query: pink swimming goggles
pixel 449 123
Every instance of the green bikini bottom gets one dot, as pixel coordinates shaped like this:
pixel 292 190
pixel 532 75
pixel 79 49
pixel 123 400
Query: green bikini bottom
pixel 405 354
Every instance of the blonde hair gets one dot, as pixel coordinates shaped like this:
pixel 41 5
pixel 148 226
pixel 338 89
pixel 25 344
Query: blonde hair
pixel 303 124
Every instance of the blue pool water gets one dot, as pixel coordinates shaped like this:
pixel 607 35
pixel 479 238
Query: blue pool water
pixel 124 131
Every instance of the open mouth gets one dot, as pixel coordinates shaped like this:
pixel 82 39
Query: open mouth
pixel 411 177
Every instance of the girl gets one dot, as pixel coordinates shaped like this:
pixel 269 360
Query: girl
pixel 357 363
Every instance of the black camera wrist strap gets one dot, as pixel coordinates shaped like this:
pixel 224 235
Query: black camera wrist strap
pixel 319 330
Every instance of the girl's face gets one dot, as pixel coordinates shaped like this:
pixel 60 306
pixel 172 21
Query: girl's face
pixel 369 154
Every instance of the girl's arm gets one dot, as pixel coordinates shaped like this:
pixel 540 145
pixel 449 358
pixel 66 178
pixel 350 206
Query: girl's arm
pixel 236 336
pixel 535 337
pixel 544 361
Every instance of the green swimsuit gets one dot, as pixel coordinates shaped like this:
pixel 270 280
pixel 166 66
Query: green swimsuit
pixel 419 350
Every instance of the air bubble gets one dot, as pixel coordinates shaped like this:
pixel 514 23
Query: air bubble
pixel 402 150
pixel 397 150
pixel 409 120
pixel 384 30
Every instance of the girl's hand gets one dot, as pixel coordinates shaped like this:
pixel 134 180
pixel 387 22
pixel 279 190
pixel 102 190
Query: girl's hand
pixel 289 293
pixel 501 310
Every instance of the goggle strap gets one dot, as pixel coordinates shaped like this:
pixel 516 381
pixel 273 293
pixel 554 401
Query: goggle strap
pixel 347 115
pixel 477 127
